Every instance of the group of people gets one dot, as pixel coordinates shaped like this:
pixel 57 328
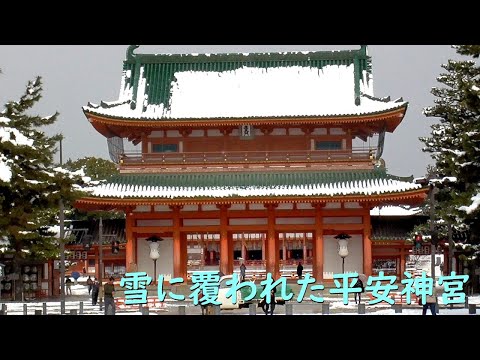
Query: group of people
pixel 108 293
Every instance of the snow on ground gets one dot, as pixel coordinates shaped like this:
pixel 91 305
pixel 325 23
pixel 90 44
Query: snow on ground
pixel 80 293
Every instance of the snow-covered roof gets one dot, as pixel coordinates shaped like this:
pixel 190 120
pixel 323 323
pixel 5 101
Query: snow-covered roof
pixel 237 86
pixel 395 211
pixel 188 186
pixel 252 92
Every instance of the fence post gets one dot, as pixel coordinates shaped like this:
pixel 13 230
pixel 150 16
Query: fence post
pixel 216 310
pixel 252 309
pixel 145 311
pixel 361 309
pixel 44 305
pixel 73 312
pixel 4 310
pixel 24 309
pixel 325 309
pixel 466 302
pixel 288 309
pixel 181 310
pixel 472 309
pixel 81 308
pixel 398 308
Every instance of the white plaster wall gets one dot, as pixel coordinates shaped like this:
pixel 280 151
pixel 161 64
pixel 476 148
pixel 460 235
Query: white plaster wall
pixel 304 206
pixel 279 132
pixel 248 221
pixel 238 207
pixel 142 208
pixel 196 133
pixel 164 263
pixel 337 131
pixel 214 133
pixel 285 206
pixel 296 131
pixel 162 208
pixel 200 222
pixel 333 262
pixel 295 221
pixel 257 207
pixel 173 133
pixel 352 205
pixel 209 208
pixel 156 134
pixel 320 131
pixel 189 208
pixel 342 220
pixel 163 222
pixel 333 205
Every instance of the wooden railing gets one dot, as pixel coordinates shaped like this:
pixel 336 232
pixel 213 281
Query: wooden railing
pixel 246 157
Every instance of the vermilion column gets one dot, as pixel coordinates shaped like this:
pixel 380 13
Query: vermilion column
pixel 226 243
pixel 318 245
pixel 131 246
pixel 402 263
pixel 272 253
pixel 367 245
pixel 179 249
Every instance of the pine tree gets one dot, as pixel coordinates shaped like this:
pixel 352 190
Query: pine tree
pixel 98 170
pixel 30 184
pixel 454 143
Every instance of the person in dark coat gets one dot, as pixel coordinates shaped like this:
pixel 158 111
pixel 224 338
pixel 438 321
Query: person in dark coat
pixel 269 307
pixel 89 284
pixel 299 269
pixel 359 284
pixel 95 290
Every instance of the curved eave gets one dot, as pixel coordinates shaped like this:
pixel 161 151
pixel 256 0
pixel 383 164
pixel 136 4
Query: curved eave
pixel 110 126
pixel 413 197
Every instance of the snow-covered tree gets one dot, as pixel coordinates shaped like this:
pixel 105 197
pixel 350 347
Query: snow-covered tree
pixel 30 184
pixel 454 143
pixel 98 170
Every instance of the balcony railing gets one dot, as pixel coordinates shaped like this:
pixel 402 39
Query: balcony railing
pixel 245 157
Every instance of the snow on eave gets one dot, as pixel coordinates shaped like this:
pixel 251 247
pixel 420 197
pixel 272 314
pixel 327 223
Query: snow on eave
pixel 349 188
pixel 394 211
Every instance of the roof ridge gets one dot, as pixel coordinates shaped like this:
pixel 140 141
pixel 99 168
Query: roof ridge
pixel 132 57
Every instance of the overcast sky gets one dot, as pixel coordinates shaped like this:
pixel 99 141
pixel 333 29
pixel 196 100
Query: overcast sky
pixel 75 75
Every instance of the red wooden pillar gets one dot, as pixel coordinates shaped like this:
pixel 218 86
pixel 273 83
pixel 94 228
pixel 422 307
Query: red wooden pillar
pixel 272 253
pixel 402 263
pixel 131 246
pixel 317 244
pixel 226 242
pixel 179 249
pixel 367 245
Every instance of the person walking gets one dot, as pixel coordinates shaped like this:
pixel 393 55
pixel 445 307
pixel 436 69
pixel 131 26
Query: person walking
pixel 68 283
pixel 243 270
pixel 89 284
pixel 95 291
pixel 269 307
pixel 108 296
pixel 431 301
pixel 299 270
pixel 359 284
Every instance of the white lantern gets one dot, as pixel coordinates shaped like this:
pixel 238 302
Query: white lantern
pixel 343 248
pixel 154 250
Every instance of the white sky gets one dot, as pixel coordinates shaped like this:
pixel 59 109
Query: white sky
pixel 73 75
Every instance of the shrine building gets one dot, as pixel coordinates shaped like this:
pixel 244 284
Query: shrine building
pixel 262 158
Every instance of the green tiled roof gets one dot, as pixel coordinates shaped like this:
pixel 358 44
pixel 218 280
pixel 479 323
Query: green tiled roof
pixel 159 69
pixel 230 179
pixel 394 228
pixel 252 185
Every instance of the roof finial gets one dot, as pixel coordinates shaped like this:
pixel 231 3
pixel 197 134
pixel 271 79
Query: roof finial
pixel 130 49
